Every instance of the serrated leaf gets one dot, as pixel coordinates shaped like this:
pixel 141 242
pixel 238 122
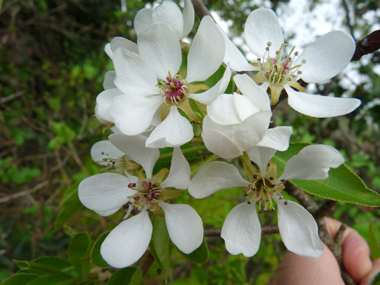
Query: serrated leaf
pixel 96 257
pixel 200 255
pixel 341 185
pixel 79 248
pixel 373 242
pixel 19 279
pixel 126 276
pixel 160 244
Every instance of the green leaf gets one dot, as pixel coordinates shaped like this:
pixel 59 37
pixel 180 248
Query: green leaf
pixel 53 261
pixel 96 257
pixel 70 204
pixel 160 244
pixel 49 280
pixel 373 242
pixel 126 276
pixel 341 185
pixel 41 269
pixel 79 248
pixel 19 279
pixel 200 255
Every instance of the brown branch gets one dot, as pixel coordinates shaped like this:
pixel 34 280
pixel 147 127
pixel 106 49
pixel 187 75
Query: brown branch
pixel 200 9
pixel 265 230
pixel 305 200
pixel 366 45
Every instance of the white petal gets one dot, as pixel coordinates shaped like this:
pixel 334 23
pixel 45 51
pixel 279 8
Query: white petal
pixel 249 88
pixel 134 114
pixel 261 156
pixel 223 110
pixel 217 142
pixel 261 27
pixel 245 134
pixel 108 50
pixel 312 162
pixel 213 177
pixel 134 147
pixel 234 57
pixel 174 131
pixel 105 192
pixel 326 57
pixel 109 78
pixel 133 75
pixel 209 95
pixel 124 43
pixel 277 138
pixel 104 101
pixel 169 14
pixel 179 175
pixel 143 20
pixel 298 229
pixel 241 230
pixel 188 18
pixel 184 225
pixel 128 241
pixel 104 150
pixel 206 52
pixel 160 47
pixel 319 106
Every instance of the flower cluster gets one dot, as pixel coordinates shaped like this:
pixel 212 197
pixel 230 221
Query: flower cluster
pixel 165 93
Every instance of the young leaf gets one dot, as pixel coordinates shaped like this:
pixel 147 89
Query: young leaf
pixel 126 276
pixel 160 244
pixel 373 242
pixel 96 257
pixel 200 255
pixel 341 185
pixel 79 248
pixel 19 279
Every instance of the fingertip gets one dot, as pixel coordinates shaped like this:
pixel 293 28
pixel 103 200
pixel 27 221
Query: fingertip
pixel 367 280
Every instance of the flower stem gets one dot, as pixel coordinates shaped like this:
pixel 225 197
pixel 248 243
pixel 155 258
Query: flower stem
pixel 197 168
pixel 201 113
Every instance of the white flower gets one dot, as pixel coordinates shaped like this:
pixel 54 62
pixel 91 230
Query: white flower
pixel 168 13
pixel 106 193
pixel 236 123
pixel 320 61
pixel 153 91
pixel 241 229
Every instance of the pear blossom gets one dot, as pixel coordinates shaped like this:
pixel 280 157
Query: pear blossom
pixel 241 229
pixel 151 91
pixel 106 193
pixel 278 70
pixel 238 122
pixel 168 13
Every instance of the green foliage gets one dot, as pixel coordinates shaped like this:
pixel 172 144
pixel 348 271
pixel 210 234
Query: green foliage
pixel 373 242
pixel 160 245
pixel 96 257
pixel 127 276
pixel 200 255
pixel 341 185
pixel 78 252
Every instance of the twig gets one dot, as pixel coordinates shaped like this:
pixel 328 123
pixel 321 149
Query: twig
pixel 305 200
pixel 148 260
pixel 23 193
pixel 11 97
pixel 265 230
pixel 200 9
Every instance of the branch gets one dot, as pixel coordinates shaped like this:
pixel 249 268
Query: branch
pixel 265 230
pixel 366 45
pixel 200 9
pixel 305 200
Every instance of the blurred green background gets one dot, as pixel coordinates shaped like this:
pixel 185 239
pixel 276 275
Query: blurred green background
pixel 52 67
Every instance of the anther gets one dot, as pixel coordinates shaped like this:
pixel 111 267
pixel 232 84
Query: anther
pixel 286 203
pixel 272 186
pixel 272 209
pixel 269 44
pixel 296 53
pixel 131 185
pixel 254 176
pixel 271 178
pixel 249 202
pixel 304 61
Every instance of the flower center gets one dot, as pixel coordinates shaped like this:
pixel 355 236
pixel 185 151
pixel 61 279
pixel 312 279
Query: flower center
pixel 147 195
pixel 173 89
pixel 262 191
pixel 276 70
pixel 120 164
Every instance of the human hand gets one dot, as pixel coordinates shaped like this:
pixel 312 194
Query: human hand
pixel 295 269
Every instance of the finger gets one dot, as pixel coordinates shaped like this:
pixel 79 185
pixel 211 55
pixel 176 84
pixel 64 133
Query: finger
pixel 300 270
pixel 375 269
pixel 355 251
